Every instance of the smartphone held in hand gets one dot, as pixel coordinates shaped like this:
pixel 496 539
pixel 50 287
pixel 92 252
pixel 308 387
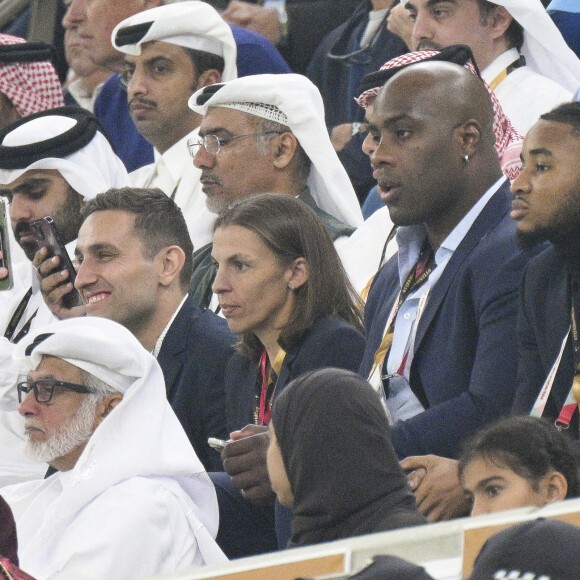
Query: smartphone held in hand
pixel 46 236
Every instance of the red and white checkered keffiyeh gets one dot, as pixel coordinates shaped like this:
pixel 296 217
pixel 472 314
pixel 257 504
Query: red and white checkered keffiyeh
pixel 508 142
pixel 30 86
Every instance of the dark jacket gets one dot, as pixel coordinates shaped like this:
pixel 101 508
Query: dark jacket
pixel 193 358
pixel 543 321
pixel 465 361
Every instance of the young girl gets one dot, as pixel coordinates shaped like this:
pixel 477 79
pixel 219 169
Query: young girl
pixel 518 462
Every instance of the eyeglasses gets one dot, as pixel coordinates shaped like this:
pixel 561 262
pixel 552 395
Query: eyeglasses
pixel 44 389
pixel 213 144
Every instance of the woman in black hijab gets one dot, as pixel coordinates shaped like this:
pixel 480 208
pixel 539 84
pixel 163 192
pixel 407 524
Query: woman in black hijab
pixel 331 460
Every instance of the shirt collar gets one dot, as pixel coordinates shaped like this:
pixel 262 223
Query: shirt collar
pixel 159 343
pixel 410 238
pixel 500 63
pixel 177 158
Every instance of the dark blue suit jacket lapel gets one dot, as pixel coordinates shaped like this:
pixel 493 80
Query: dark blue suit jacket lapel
pixel 172 355
pixel 492 214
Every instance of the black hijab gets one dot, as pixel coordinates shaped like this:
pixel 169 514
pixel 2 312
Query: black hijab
pixel 344 474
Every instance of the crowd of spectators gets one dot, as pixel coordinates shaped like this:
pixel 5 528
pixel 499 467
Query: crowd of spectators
pixel 325 262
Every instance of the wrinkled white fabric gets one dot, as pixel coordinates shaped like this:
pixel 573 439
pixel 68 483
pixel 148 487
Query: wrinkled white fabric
pixel 301 102
pixel 524 95
pixel 544 48
pixel 193 24
pixel 176 175
pixel 361 253
pixel 138 500
pixel 89 171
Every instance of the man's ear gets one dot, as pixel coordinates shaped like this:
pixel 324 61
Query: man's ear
pixel 172 259
pixel 211 76
pixel 105 407
pixel 299 273
pixel 284 149
pixel 469 137
pixel 499 22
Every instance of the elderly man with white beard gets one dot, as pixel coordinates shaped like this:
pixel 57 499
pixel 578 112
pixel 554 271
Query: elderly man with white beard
pixel 130 497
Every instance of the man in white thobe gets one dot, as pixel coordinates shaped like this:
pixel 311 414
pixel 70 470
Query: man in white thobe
pixel 170 52
pixel 49 165
pixel 130 497
pixel 520 52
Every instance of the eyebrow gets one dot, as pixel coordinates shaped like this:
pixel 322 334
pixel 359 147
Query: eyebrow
pixel 488 480
pixel 393 120
pixel 434 2
pixel 235 257
pixel 541 151
pixel 157 58
pixel 215 131
pixel 47 376
pixel 27 185
pixel 95 248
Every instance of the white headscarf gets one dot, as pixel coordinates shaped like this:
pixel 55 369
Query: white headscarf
pixel 300 101
pixel 89 171
pixel 192 24
pixel 544 48
pixel 141 436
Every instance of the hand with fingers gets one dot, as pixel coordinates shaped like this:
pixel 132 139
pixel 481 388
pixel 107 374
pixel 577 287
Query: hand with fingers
pixel 54 285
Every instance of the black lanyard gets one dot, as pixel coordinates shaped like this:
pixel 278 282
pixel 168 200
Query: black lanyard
pixel 15 320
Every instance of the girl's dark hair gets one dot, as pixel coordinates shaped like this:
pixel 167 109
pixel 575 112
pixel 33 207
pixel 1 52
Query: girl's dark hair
pixel 291 230
pixel 530 446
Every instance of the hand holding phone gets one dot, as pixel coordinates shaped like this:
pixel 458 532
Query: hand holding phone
pixel 46 236
pixel 217 444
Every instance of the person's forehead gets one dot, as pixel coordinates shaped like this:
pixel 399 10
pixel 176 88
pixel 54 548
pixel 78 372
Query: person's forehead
pixel 224 118
pixel 409 94
pixel 108 227
pixel 52 175
pixel 552 134
pixel 432 4
pixel 159 48
pixel 52 366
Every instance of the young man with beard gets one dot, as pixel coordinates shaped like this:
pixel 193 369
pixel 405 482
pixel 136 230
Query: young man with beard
pixel 547 207
pixel 130 497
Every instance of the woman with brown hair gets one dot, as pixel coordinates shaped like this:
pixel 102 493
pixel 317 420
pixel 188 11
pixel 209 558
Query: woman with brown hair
pixel 284 292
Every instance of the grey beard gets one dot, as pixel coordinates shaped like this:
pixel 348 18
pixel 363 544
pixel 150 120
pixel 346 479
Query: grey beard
pixel 66 438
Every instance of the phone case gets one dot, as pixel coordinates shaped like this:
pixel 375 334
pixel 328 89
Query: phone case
pixel 5 283
pixel 47 236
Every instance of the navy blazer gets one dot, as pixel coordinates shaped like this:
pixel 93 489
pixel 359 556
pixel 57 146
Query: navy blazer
pixel 464 367
pixel 193 358
pixel 330 342
pixel 543 322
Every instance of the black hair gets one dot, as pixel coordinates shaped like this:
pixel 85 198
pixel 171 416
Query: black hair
pixel 158 221
pixel 568 113
pixel 530 446
pixel 515 31
pixel 203 61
